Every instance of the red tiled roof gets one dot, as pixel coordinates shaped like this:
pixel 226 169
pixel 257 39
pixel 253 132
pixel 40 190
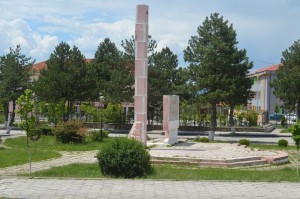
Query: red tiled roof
pixel 269 68
pixel 43 65
pixel 39 66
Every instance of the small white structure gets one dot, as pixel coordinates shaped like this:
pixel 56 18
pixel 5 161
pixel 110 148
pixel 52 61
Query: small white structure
pixel 171 118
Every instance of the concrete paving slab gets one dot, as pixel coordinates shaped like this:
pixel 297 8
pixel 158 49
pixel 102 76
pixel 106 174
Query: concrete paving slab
pixel 118 188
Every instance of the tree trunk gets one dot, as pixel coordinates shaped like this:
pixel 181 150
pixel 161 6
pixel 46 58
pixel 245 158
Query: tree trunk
pixel 6 112
pixel 298 108
pixel 298 159
pixel 29 155
pixel 213 122
pixel 68 112
pixel 12 118
pixel 231 121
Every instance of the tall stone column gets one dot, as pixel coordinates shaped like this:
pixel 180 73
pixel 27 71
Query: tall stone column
pixel 139 127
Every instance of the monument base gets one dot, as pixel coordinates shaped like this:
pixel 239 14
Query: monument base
pixel 137 133
pixel 171 137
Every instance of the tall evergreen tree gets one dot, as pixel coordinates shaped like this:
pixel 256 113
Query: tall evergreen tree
pixel 239 90
pixel 111 77
pixel 213 56
pixel 161 77
pixel 65 78
pixel 15 72
pixel 287 84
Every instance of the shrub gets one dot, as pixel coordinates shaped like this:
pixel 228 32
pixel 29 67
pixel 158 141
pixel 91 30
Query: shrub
pixel 70 131
pixel 45 130
pixel 282 143
pixel 202 139
pixel 105 133
pixel 123 157
pixel 245 142
pixel 95 135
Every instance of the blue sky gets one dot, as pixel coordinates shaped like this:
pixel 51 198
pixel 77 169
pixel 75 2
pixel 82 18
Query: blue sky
pixel 265 28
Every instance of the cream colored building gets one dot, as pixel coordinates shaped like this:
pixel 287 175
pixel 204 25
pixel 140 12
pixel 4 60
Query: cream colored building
pixel 264 100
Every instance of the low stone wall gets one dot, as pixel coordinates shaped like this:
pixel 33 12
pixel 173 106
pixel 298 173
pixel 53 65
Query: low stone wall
pixel 181 128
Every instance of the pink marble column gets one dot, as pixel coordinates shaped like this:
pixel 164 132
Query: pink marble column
pixel 139 127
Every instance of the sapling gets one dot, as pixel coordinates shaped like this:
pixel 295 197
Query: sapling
pixel 28 122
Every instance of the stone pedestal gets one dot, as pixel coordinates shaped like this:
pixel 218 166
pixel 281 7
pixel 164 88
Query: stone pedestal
pixel 171 118
pixel 139 128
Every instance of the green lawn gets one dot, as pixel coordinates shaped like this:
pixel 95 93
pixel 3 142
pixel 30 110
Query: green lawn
pixel 272 147
pixel 45 148
pixel 48 143
pixel 179 173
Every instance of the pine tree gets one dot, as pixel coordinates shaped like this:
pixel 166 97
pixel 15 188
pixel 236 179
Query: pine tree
pixel 213 57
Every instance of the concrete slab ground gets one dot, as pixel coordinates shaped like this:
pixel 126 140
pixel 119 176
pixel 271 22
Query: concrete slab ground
pixel 148 189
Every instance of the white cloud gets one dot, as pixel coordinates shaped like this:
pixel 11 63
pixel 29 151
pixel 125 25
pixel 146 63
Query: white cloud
pixel 42 46
pixel 89 36
pixel 14 33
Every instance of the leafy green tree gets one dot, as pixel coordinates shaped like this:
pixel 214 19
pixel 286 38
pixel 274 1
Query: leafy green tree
pixel 90 111
pixel 213 57
pixel 15 72
pixel 55 111
pixel 65 78
pixel 286 85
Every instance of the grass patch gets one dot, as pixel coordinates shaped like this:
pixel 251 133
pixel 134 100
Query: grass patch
pixel 43 149
pixel 164 172
pixel 272 147
pixel 285 131
pixel 15 156
pixel 179 173
pixel 49 143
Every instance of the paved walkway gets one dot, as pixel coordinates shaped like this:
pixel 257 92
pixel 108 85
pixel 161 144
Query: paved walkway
pixel 214 151
pixel 137 189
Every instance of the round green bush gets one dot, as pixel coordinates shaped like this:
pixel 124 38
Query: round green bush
pixel 282 143
pixel 202 139
pixel 245 142
pixel 123 157
pixel 70 131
